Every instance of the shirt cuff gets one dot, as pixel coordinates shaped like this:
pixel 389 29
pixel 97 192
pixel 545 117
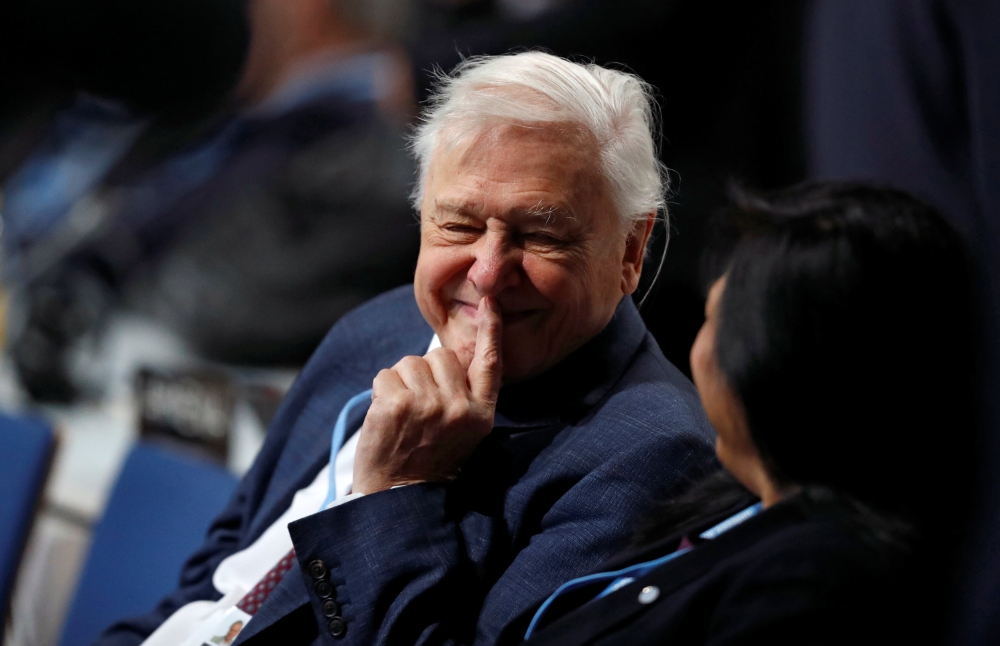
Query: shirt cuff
pixel 353 496
pixel 340 501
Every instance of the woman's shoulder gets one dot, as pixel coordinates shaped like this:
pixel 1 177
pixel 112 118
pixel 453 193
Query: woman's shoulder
pixel 809 535
pixel 821 568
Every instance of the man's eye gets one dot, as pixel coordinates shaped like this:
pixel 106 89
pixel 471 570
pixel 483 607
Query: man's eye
pixel 462 229
pixel 540 237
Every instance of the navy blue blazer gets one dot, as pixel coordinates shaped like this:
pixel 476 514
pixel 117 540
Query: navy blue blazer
pixel 576 456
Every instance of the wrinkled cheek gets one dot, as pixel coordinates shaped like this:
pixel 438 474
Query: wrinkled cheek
pixel 429 284
pixel 584 316
pixel 423 288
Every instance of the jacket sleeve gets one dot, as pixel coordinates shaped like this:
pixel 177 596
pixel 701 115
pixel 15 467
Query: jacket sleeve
pixel 401 569
pixel 195 579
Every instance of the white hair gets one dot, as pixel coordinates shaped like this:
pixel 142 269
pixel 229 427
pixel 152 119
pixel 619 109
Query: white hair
pixel 534 88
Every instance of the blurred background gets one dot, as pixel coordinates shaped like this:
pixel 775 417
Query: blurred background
pixel 193 191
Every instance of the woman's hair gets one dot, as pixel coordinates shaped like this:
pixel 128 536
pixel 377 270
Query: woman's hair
pixel 846 330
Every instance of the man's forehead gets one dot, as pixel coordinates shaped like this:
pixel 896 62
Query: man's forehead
pixel 536 172
pixel 533 146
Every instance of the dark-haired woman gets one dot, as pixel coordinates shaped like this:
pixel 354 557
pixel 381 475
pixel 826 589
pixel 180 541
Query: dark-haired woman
pixel 835 365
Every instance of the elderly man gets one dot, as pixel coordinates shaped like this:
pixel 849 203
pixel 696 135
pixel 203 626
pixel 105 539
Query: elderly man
pixel 520 416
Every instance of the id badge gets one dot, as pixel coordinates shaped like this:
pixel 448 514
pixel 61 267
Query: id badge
pixel 219 630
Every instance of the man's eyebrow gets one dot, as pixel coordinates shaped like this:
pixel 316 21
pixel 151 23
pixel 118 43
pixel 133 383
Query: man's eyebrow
pixel 550 212
pixel 456 208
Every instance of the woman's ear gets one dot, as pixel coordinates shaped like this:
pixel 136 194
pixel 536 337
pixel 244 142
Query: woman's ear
pixel 635 251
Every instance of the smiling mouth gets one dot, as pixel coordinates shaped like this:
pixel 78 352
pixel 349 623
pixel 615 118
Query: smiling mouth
pixel 508 317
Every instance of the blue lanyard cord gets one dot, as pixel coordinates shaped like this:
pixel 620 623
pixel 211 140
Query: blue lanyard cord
pixel 731 522
pixel 569 586
pixel 339 431
pixel 623 577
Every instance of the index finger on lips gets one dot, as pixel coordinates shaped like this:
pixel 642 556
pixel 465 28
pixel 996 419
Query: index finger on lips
pixel 486 369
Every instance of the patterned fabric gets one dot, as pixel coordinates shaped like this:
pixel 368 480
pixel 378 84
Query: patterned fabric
pixel 256 597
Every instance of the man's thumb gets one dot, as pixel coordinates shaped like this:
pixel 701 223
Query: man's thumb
pixel 486 368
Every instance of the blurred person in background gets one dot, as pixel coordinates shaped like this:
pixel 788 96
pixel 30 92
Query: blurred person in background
pixel 247 230
pixel 87 80
pixel 908 94
pixel 161 61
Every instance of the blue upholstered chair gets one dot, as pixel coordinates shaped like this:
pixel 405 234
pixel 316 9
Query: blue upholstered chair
pixel 26 446
pixel 158 512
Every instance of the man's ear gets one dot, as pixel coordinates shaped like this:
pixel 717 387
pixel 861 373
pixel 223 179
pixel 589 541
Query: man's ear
pixel 635 252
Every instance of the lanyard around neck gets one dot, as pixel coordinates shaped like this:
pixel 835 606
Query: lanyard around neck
pixel 339 435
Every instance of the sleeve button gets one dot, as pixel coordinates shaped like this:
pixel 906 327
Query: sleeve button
pixel 330 608
pixel 317 569
pixel 338 627
pixel 323 589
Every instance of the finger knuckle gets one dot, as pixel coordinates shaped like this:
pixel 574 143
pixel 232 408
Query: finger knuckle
pixel 410 362
pixel 458 411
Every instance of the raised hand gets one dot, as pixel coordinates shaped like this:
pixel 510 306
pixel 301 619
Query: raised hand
pixel 428 414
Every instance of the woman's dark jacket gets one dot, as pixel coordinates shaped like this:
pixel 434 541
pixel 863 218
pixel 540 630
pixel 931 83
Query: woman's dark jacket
pixel 798 573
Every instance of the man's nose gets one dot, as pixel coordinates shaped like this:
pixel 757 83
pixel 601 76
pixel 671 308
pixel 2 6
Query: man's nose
pixel 497 265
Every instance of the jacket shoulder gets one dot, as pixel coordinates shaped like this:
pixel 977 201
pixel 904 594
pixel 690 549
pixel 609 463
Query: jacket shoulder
pixel 388 312
pixel 816 575
pixel 369 338
pixel 812 546
pixel 653 398
pixel 383 327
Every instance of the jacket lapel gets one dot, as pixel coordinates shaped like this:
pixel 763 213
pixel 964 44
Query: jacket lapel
pixel 306 452
pixel 289 595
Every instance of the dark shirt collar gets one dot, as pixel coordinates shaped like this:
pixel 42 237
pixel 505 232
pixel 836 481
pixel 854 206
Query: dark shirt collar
pixel 576 384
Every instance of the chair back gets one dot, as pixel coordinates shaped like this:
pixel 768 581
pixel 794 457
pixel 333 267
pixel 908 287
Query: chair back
pixel 26 448
pixel 157 515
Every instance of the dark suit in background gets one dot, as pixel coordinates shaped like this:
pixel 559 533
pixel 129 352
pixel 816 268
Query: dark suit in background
pixel 308 218
pixel 908 94
pixel 576 456
pixel 249 234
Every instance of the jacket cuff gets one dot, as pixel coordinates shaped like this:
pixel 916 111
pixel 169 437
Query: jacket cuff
pixel 360 560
